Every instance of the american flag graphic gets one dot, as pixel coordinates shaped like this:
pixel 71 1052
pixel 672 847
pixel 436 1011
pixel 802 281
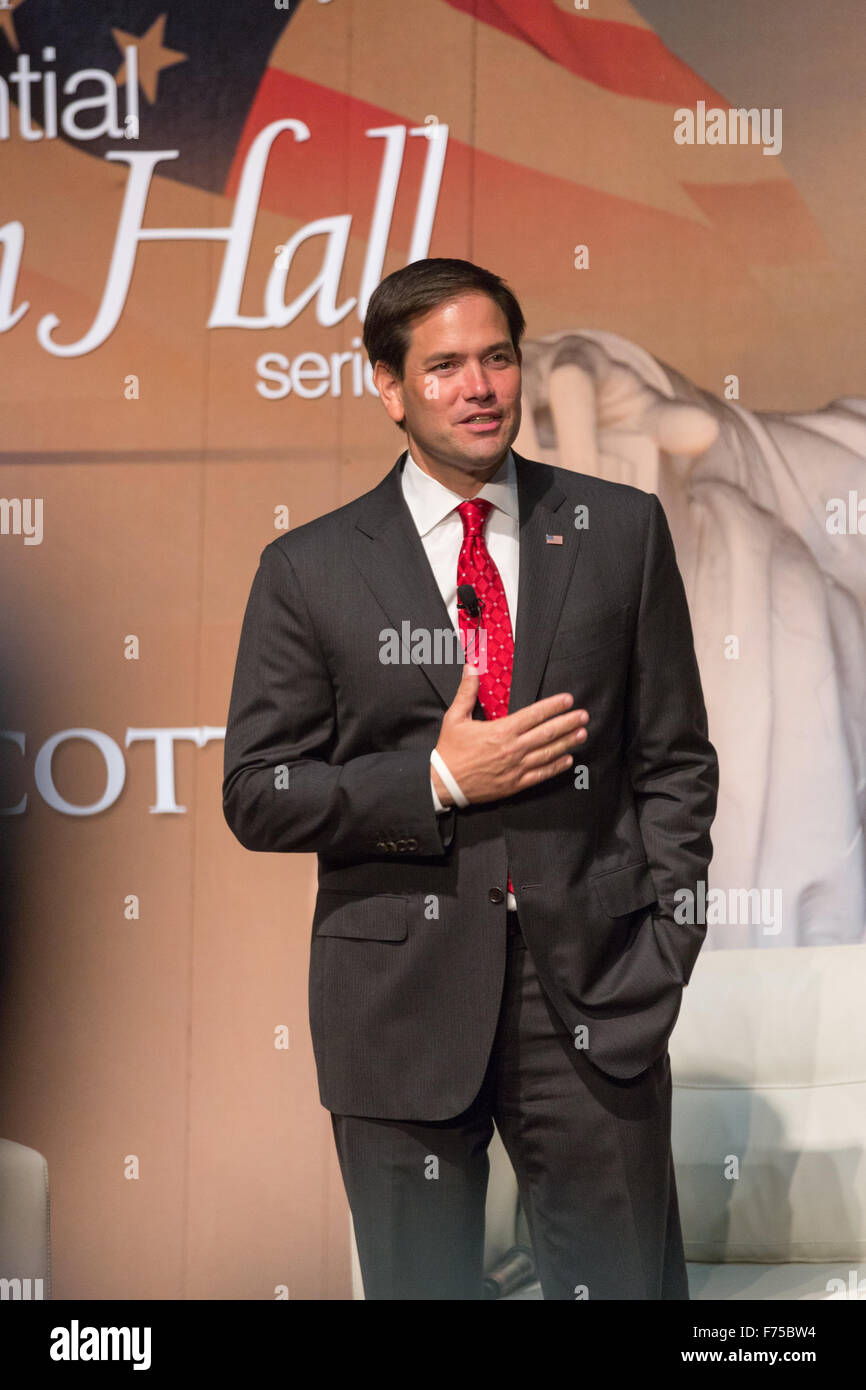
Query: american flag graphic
pixel 560 135
pixel 212 75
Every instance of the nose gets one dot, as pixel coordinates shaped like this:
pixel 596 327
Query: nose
pixel 475 382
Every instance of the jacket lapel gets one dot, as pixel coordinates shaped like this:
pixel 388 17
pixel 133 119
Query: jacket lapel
pixel 544 574
pixel 390 555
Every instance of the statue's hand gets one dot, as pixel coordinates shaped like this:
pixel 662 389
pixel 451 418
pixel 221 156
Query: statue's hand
pixel 606 418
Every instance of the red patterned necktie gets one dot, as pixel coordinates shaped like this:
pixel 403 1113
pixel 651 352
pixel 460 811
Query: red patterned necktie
pixel 475 566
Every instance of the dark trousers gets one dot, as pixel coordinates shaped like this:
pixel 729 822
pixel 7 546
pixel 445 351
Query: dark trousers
pixel 592 1156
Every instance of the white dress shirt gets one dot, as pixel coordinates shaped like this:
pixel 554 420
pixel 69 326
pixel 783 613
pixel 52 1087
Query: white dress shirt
pixel 434 511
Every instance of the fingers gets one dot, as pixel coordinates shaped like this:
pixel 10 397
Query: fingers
pixel 591 392
pixel 680 428
pixel 533 776
pixel 627 401
pixel 549 730
pixel 548 747
pixel 546 742
pixel 578 371
pixel 572 396
pixel 467 693
pixel 527 718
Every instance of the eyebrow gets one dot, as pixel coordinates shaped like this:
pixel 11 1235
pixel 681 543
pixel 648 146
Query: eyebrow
pixel 448 356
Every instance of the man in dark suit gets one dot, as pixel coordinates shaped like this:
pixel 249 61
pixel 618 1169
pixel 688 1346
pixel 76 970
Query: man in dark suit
pixel 494 937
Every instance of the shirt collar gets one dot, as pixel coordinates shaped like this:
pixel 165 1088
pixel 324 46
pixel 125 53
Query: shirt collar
pixel 430 501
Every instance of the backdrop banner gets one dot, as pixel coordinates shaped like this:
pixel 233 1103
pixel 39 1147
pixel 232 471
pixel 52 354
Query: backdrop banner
pixel 196 203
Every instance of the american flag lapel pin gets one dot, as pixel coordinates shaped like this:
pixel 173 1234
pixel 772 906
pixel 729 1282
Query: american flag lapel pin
pixel 553 540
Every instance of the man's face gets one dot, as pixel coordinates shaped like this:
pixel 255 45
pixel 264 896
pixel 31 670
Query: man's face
pixel 460 363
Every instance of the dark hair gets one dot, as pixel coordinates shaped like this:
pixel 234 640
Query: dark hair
pixel 408 294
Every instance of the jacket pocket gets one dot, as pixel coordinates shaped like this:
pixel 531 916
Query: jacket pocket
pixel 580 640
pixel 625 890
pixel 380 917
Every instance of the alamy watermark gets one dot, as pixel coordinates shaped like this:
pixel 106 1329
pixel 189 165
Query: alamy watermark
pixel 438 646
pixel 730 906
pixel 735 126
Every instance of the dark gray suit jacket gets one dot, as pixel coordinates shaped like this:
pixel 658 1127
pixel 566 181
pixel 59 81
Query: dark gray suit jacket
pixel 327 750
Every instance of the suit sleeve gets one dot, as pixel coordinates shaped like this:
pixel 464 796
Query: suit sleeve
pixel 281 790
pixel 672 764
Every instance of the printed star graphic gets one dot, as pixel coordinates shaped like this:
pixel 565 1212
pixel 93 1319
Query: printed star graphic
pixel 152 55
pixel 7 22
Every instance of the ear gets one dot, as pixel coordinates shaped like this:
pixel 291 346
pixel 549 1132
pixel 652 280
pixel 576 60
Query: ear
pixel 390 390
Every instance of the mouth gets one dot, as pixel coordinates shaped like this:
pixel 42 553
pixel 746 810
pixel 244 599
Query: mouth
pixel 484 422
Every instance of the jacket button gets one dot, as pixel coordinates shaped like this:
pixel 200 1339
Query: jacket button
pixel 496 895
pixel 412 844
